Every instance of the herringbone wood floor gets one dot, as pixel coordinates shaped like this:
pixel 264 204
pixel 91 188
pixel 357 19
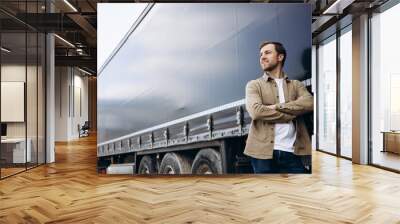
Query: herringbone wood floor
pixel 70 191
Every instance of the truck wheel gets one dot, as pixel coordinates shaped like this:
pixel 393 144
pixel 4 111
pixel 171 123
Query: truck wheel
pixel 207 161
pixel 147 165
pixel 174 163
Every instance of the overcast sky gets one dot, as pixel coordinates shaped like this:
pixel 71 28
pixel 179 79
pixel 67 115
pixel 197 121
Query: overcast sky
pixel 113 21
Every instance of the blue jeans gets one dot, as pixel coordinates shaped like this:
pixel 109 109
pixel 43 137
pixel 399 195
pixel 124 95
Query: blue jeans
pixel 282 162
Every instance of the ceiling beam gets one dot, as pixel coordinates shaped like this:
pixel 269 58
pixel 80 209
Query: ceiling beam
pixel 84 24
pixel 83 61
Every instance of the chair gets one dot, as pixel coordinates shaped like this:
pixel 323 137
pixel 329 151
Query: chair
pixel 84 130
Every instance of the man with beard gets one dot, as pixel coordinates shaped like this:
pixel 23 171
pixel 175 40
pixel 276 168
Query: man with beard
pixel 278 138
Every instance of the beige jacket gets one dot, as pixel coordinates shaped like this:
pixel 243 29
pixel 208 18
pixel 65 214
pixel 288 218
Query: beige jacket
pixel 262 92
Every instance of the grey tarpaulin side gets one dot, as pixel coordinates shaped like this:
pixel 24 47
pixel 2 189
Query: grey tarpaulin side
pixel 186 58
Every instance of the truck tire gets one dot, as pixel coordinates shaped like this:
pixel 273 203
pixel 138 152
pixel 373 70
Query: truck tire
pixel 147 165
pixel 174 163
pixel 207 161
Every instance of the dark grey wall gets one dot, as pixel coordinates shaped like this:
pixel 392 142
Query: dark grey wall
pixel 187 58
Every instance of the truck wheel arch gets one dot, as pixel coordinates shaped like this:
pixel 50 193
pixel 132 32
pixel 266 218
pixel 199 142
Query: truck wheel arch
pixel 174 163
pixel 148 165
pixel 207 161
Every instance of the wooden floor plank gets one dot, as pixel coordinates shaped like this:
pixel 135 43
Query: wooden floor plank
pixel 70 191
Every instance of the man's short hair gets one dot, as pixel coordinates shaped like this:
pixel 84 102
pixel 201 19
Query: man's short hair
pixel 278 47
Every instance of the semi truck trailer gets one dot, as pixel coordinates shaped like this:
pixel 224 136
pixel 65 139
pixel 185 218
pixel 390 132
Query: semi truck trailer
pixel 171 97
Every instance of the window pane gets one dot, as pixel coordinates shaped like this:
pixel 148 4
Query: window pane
pixel 385 84
pixel 327 96
pixel 346 94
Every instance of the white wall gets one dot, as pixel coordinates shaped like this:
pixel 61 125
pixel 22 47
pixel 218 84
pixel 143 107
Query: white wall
pixel 71 93
pixel 80 110
pixel 62 81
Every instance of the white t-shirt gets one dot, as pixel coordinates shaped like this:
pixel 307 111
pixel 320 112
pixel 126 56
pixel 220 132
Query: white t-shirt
pixel 285 133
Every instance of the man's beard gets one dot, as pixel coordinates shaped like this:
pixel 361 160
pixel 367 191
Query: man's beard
pixel 271 67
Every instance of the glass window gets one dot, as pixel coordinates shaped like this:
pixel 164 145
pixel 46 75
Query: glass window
pixel 327 95
pixel 385 89
pixel 14 150
pixel 22 92
pixel 345 93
